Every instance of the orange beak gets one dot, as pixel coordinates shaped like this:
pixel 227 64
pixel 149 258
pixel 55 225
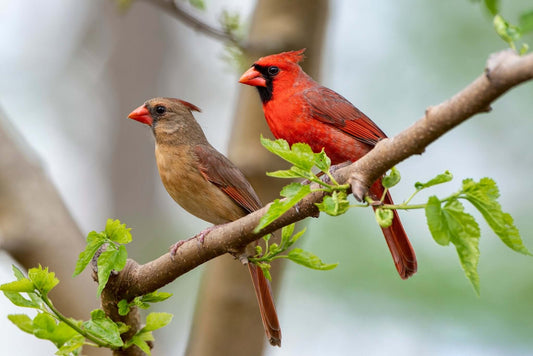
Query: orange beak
pixel 141 114
pixel 253 77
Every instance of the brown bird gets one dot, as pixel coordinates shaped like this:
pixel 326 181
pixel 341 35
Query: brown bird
pixel 204 182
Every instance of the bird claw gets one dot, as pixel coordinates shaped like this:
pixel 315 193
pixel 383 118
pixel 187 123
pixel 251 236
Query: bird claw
pixel 174 248
pixel 201 238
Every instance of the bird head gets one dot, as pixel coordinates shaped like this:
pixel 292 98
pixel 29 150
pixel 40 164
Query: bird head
pixel 160 109
pixel 170 119
pixel 281 67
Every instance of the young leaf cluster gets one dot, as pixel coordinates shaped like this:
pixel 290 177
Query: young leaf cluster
pixel 297 255
pixel 113 258
pixel 303 160
pixel 67 334
pixel 70 335
pixel 447 219
pixel 508 32
pixel 142 302
pixel 448 222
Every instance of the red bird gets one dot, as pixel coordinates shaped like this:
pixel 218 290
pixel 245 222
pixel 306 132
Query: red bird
pixel 298 109
pixel 204 182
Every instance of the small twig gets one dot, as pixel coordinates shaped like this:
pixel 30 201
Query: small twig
pixel 67 321
pixel 179 11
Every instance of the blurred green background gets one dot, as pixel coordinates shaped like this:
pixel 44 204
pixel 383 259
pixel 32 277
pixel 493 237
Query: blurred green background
pixel 65 66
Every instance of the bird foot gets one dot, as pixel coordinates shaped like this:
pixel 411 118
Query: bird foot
pixel 200 237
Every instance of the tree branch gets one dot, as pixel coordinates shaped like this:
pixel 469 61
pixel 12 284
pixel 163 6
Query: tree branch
pixel 504 70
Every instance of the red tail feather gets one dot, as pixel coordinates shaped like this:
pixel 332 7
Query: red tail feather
pixel 400 248
pixel 267 308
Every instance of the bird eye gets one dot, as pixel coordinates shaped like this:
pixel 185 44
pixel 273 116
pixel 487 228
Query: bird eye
pixel 160 109
pixel 273 70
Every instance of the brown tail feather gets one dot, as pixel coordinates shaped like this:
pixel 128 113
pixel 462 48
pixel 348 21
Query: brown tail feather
pixel 402 252
pixel 267 308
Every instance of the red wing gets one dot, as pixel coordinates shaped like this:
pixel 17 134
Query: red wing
pixel 329 107
pixel 219 170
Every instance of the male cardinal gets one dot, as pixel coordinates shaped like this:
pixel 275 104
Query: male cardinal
pixel 298 109
pixel 204 182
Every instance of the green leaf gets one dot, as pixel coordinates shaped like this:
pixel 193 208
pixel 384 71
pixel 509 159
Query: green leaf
pixel 18 300
pixel 43 326
pixel 117 232
pixel 384 217
pixel 156 321
pixel 265 267
pixel 20 286
pixel 437 221
pixel 309 260
pixel 287 237
pixel 391 179
pixel 293 172
pixel 103 327
pixel 72 346
pixel 526 22
pixel 322 161
pixel 288 173
pixel 17 273
pixel 122 327
pixel 296 236
pixel 123 307
pixel 334 205
pixel 140 304
pixel 483 195
pixel 156 297
pixel 451 224
pixel 439 179
pixel 140 340
pixel 286 233
pixel 22 321
pixel 61 334
pixel 42 280
pixel 274 249
pixel 506 31
pixel 113 259
pixel 94 241
pixel 464 234
pixel 299 154
pixel 293 192
pixel 493 6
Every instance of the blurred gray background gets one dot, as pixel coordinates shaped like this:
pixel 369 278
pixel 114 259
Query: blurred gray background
pixel 72 71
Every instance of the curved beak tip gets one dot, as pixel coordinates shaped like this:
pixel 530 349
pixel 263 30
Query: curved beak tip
pixel 142 115
pixel 253 77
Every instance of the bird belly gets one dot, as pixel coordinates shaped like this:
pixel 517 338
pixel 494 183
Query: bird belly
pixel 186 185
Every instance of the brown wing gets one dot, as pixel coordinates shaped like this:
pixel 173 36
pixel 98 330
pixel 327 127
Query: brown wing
pixel 328 106
pixel 219 170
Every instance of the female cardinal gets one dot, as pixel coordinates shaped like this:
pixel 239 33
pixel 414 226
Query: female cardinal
pixel 204 182
pixel 298 109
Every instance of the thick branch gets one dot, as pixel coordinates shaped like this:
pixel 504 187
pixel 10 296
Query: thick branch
pixel 504 71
